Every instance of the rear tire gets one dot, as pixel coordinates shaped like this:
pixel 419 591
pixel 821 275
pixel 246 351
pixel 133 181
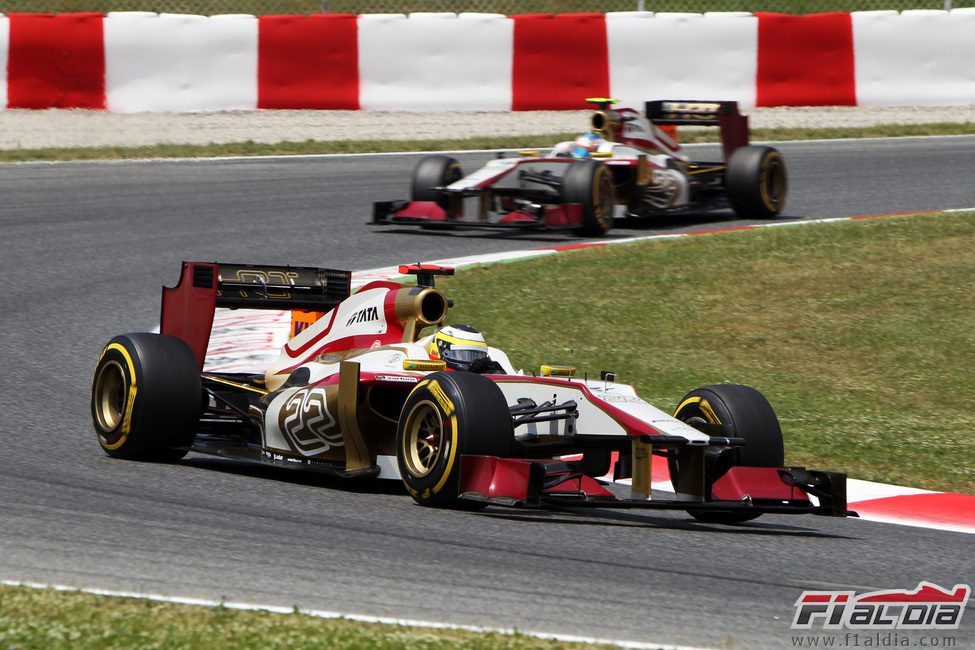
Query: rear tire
pixel 746 414
pixel 430 172
pixel 146 397
pixel 449 414
pixel 590 183
pixel 757 182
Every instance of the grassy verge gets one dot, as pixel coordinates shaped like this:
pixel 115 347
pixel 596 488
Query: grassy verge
pixel 55 620
pixel 312 147
pixel 858 332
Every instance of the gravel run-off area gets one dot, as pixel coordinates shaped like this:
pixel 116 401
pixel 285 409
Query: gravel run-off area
pixel 30 129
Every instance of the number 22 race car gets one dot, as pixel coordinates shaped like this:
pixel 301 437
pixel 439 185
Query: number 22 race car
pixel 379 387
pixel 628 160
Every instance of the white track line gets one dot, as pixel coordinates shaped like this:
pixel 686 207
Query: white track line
pixel 384 620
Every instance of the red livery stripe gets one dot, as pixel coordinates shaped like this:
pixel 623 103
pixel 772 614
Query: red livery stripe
pixel 308 62
pixel 925 594
pixel 559 61
pixel 56 61
pixel 817 598
pixel 805 60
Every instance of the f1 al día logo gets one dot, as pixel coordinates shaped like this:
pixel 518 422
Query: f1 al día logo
pixel 929 607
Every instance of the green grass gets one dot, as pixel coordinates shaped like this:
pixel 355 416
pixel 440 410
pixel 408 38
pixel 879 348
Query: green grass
pixel 859 333
pixel 54 620
pixel 313 147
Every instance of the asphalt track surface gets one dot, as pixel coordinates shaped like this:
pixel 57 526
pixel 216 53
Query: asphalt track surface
pixel 85 248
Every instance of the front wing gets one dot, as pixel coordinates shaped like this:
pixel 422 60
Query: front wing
pixel 430 214
pixel 786 490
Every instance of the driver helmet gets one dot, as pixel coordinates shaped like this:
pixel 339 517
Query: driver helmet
pixel 458 346
pixel 585 145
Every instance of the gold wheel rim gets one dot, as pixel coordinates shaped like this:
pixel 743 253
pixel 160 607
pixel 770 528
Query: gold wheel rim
pixel 111 391
pixel 424 439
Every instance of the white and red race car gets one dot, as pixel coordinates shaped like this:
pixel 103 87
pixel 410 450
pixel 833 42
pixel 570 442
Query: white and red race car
pixel 629 161
pixel 365 391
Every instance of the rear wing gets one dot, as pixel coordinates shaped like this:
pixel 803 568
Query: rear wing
pixel 187 308
pixel 725 115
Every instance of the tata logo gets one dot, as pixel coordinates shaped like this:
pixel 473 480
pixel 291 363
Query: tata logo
pixel 363 316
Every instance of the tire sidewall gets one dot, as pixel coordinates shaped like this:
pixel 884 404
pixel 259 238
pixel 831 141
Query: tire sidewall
pixel 117 440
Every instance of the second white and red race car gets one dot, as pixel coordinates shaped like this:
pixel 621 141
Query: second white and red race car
pixel 628 165
pixel 379 386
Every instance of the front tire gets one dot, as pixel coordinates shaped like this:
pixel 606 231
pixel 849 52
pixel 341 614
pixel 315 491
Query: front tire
pixel 449 414
pixel 146 397
pixel 431 172
pixel 757 182
pixel 746 414
pixel 590 183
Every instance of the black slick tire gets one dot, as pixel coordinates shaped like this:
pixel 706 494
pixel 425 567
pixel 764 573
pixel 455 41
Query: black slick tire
pixel 757 182
pixel 430 172
pixel 146 397
pixel 590 184
pixel 446 415
pixel 746 414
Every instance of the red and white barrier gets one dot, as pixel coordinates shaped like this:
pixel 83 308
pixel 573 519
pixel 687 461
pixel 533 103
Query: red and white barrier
pixel 134 62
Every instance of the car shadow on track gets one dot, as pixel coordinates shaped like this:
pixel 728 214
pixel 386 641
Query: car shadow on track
pixel 624 227
pixel 295 475
pixel 559 237
pixel 689 222
pixel 671 520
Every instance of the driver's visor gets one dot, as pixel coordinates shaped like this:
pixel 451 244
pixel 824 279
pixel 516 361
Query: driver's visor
pixel 465 353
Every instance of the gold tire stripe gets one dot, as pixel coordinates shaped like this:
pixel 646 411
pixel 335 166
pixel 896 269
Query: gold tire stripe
pixel 451 458
pixel 702 404
pixel 126 428
pixel 449 410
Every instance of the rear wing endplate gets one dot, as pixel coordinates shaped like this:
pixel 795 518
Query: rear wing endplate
pixel 187 308
pixel 725 115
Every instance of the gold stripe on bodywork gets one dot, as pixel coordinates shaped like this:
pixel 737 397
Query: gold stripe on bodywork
pixel 227 382
pixel 356 451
